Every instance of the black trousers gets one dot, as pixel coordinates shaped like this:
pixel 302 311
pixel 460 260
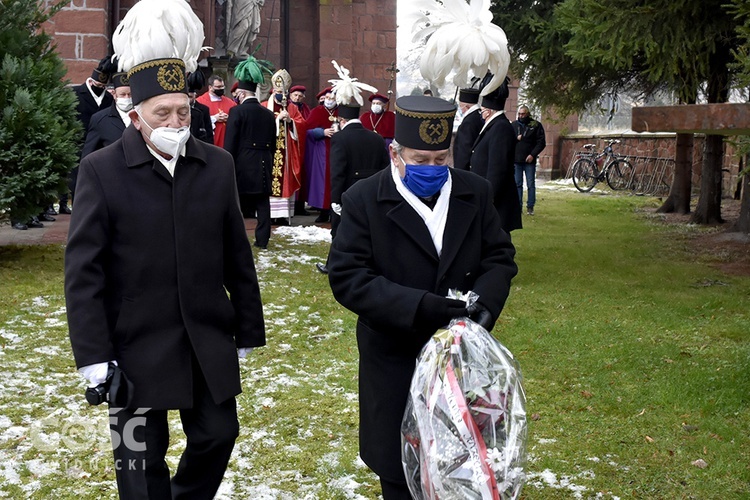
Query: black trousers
pixel 140 438
pixel 394 491
pixel 258 205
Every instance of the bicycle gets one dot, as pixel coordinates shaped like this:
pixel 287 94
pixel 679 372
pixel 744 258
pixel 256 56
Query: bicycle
pixel 616 170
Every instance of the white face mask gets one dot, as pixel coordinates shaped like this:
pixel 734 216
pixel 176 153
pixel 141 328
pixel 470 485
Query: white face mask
pixel 168 140
pixel 377 109
pixel 329 103
pixel 124 104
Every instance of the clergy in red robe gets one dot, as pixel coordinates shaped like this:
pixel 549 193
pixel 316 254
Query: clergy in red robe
pixel 379 119
pixel 321 125
pixel 218 106
pixel 297 96
pixel 286 175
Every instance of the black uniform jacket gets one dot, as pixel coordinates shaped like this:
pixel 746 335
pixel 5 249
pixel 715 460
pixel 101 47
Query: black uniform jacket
pixel 251 139
pixel 467 133
pixel 200 122
pixel 492 158
pixel 381 264
pixel 105 127
pixel 87 105
pixel 147 271
pixel 356 153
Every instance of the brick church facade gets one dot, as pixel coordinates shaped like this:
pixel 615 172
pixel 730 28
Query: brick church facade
pixel 302 36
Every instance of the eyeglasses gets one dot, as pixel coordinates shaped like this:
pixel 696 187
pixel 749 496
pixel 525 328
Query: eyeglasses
pixel 523 114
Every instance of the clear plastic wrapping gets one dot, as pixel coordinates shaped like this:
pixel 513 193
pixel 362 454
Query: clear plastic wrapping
pixel 464 430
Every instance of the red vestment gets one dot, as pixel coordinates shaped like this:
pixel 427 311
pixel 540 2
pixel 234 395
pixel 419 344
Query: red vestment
pixel 384 123
pixel 214 107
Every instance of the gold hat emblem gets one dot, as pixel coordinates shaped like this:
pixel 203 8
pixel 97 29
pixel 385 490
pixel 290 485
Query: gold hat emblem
pixel 171 77
pixel 433 131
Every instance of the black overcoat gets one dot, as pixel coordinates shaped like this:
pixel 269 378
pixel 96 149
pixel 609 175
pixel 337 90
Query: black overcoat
pixel 200 122
pixel 87 106
pixel 105 127
pixel 356 153
pixel 251 139
pixel 492 158
pixel 467 133
pixel 381 264
pixel 147 271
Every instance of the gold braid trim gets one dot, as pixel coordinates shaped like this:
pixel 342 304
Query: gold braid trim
pixel 155 62
pixel 277 171
pixel 423 116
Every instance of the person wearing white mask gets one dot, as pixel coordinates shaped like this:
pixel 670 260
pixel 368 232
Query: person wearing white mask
pixel 160 286
pixel 107 125
pixel 321 125
pixel 380 119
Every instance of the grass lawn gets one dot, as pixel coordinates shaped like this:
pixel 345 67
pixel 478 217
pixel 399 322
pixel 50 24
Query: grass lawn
pixel 634 351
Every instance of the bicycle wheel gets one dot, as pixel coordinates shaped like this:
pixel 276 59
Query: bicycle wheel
pixel 620 175
pixel 584 175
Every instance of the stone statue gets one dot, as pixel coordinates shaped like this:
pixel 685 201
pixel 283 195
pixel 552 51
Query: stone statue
pixel 242 25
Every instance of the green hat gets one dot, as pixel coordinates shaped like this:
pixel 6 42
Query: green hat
pixel 424 122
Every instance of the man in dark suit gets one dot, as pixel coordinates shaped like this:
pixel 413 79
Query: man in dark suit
pixel 200 115
pixel 107 125
pixel 251 139
pixel 92 97
pixel 356 153
pixel 163 287
pixel 468 130
pixel 408 234
pixel 492 157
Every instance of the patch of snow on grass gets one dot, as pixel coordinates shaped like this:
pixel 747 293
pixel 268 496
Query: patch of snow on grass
pixel 304 234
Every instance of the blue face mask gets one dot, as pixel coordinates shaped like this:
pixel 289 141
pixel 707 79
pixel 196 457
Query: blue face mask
pixel 425 180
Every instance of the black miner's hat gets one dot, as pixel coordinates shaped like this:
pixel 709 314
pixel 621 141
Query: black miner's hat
pixel 424 122
pixel 348 112
pixel 157 77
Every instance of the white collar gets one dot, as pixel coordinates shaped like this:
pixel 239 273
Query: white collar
pixel 168 164
pixel 489 120
pixel 353 120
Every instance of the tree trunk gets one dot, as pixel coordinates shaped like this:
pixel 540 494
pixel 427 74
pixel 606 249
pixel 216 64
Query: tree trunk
pixel 679 193
pixel 708 210
pixel 743 222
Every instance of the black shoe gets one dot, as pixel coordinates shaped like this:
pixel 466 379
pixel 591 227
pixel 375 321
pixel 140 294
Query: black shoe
pixel 302 212
pixel 262 247
pixel 50 210
pixel 322 268
pixel 325 216
pixel 34 222
pixel 282 221
pixel 46 217
pixel 64 210
pixel 20 226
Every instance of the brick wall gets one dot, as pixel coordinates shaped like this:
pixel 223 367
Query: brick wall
pixel 79 30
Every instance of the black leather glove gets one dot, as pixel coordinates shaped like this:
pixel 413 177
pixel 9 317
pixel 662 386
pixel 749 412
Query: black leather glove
pixel 435 311
pixel 481 315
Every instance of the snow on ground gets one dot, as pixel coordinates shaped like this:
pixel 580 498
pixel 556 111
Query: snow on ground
pixel 49 433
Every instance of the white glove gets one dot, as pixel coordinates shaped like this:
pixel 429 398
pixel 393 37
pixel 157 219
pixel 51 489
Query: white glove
pixel 96 373
pixel 336 208
pixel 244 351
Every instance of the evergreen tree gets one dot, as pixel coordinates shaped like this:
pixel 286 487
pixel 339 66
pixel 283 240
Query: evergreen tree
pixel 39 132
pixel 571 52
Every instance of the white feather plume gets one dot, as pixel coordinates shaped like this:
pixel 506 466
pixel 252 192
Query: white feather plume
pixel 155 29
pixel 348 88
pixel 460 38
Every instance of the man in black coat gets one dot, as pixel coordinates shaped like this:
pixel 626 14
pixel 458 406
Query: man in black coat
pixel 356 153
pixel 408 234
pixel 92 97
pixel 531 142
pixel 251 139
pixel 165 288
pixel 107 125
pixel 492 157
pixel 468 130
